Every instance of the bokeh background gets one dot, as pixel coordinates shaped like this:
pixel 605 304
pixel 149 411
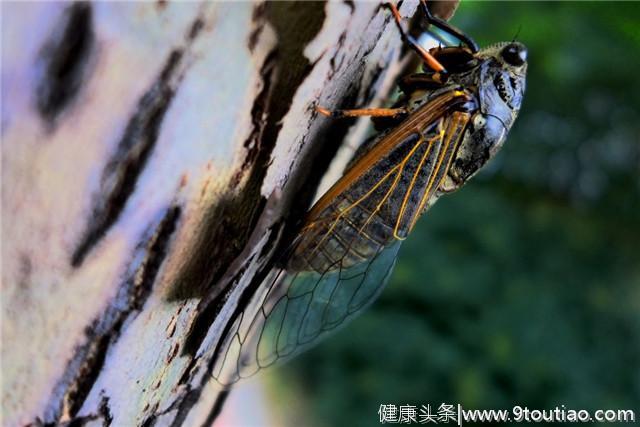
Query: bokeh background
pixel 523 287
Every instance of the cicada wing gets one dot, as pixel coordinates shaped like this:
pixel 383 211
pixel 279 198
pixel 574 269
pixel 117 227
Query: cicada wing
pixel 297 311
pixel 347 248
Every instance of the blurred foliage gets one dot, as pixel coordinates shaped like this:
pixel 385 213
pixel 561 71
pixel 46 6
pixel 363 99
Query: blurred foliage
pixel 523 287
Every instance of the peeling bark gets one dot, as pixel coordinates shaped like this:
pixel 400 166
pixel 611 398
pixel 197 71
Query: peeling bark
pixel 156 158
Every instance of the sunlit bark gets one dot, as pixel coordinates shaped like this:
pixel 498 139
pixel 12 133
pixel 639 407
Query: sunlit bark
pixel 153 156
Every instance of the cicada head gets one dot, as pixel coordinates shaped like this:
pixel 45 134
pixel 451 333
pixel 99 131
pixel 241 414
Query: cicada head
pixel 502 81
pixel 498 81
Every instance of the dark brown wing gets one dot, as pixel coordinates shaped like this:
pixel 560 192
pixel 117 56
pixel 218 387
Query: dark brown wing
pixel 383 202
pixel 422 119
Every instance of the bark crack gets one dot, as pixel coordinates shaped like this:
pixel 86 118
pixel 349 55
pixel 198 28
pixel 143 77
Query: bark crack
pixel 85 366
pixel 122 171
pixel 64 62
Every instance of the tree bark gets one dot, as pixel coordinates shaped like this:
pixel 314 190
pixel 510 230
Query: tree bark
pixel 155 156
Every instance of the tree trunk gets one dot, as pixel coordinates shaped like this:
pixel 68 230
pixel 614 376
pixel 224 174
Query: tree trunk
pixel 153 158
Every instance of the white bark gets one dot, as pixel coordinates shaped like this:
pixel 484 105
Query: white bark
pixel 147 172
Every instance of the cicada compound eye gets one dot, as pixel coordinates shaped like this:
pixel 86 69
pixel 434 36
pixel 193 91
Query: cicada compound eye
pixel 514 54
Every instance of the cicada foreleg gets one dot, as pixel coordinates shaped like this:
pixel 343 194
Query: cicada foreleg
pixel 429 80
pixel 448 28
pixel 363 112
pixel 413 43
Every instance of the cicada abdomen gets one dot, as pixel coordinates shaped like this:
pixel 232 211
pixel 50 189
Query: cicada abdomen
pixel 453 118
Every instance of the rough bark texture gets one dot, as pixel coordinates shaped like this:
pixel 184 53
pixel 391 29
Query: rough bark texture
pixel 153 157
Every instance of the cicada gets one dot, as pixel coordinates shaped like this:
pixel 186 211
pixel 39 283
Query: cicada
pixel 454 116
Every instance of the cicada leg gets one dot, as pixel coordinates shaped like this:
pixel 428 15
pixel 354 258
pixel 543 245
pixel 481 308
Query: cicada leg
pixel 371 112
pixel 422 81
pixel 413 44
pixel 445 26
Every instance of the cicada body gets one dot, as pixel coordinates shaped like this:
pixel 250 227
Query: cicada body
pixel 454 118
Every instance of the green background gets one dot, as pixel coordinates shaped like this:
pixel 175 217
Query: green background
pixel 524 287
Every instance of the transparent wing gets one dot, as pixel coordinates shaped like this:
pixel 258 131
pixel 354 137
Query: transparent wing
pixel 297 310
pixel 346 251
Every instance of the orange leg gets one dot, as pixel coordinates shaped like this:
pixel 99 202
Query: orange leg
pixel 371 112
pixel 413 44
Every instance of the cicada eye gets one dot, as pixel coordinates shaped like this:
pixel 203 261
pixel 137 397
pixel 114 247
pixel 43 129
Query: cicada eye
pixel 514 54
